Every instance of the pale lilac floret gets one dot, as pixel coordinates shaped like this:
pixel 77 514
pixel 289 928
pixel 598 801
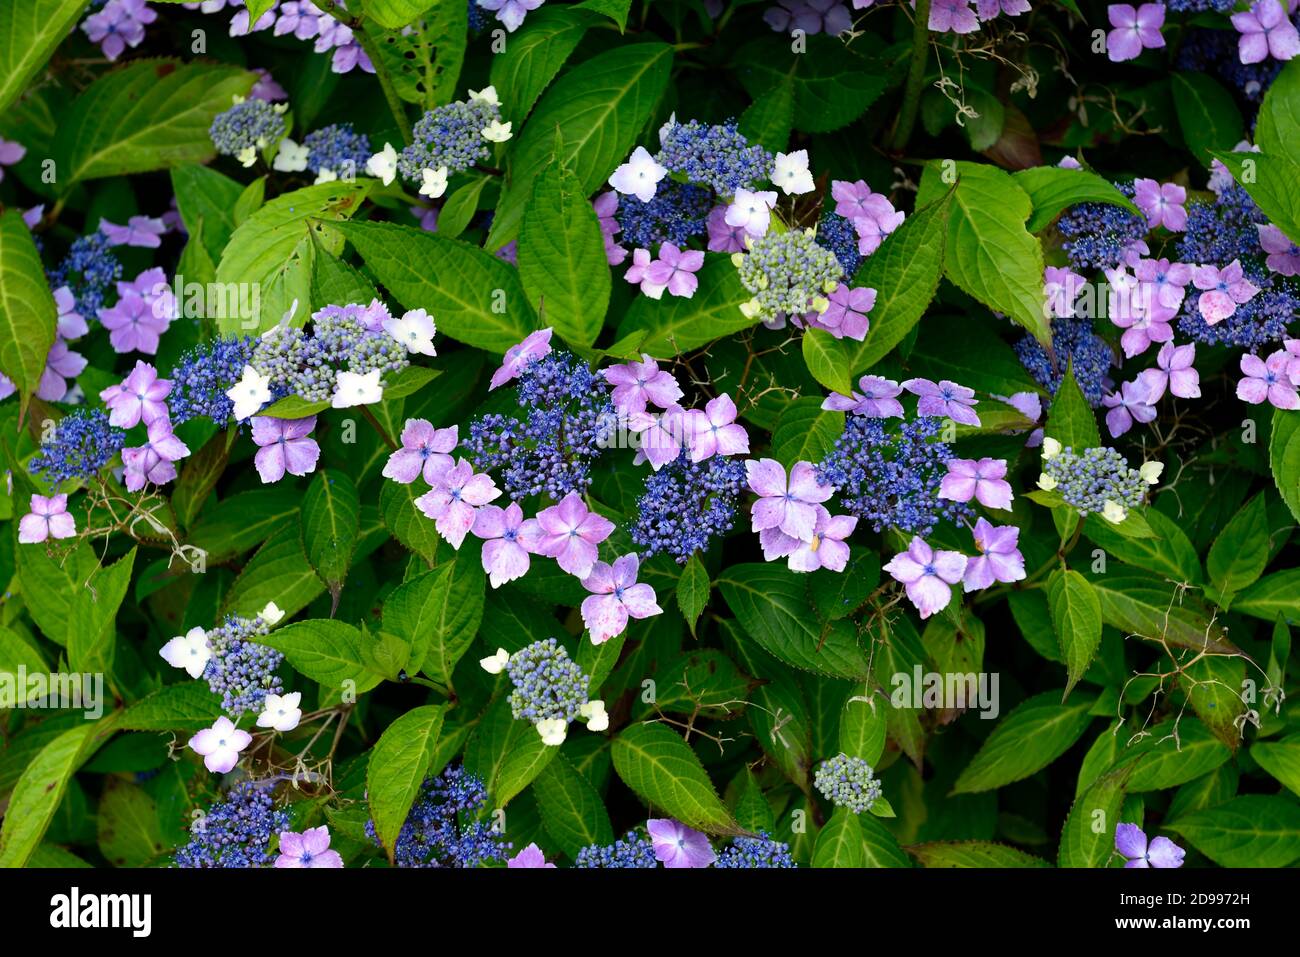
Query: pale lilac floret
pixel 284 445
pixel 639 272
pixel 983 480
pixel 927 575
pixel 142 231
pixel 1268 380
pixel 530 857
pixel 454 499
pixel 311 848
pixel 661 435
pixel 615 597
pixel 1223 290
pixel 425 451
pixel 139 397
pixel 1283 255
pixel 846 316
pixel 944 398
pixel 1129 404
pixel 48 518
pixel 636 384
pixel 1061 288
pixel 723 237
pixel 872 214
pixel 12 152
pixel 999 558
pixel 133 323
pixel 988 9
pixel 675 270
pixel 825 549
pixel 220 745
pixel 506 539
pixel 606 205
pixel 877 400
pixel 70 323
pixel 511 13
pixel 1135 30
pixel 155 460
pixel 61 364
pixel 955 16
pixel 1266 31
pixel 676 845
pixel 1162 204
pixel 715 431
pixel 117 25
pixel 1131 842
pixel 1174 370
pixel 569 532
pixel 1164 284
pixel 517 357
pixel 790 506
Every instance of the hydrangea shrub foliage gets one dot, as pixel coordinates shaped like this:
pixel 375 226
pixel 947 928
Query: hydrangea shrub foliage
pixel 699 433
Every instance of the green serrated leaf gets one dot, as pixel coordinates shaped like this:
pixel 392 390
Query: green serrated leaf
pixel 399 763
pixel 665 773
pixel 1032 736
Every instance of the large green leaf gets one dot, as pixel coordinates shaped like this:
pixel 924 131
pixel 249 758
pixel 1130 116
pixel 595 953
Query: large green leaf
pixel 330 652
pixel 662 769
pixel 597 110
pixel 1070 420
pixel 424 60
pixel 1031 737
pixel 1169 553
pixel 1270 180
pixel 1052 189
pixel 990 254
pixel 805 431
pixel 27 312
pixel 508 754
pixel 147 115
pixel 331 525
pixel 1273 595
pixel 832 84
pixel 278 572
pixel 1249 831
pixel 38 792
pixel 207 199
pixel 572 811
pixel 562 257
pixel 1076 617
pixel 533 57
pixel 975 854
pixel 438 613
pixel 92 631
pixel 1284 458
pixel 771 603
pixel 473 296
pixel 395 14
pixel 1088 837
pixel 29 32
pixel 129 831
pixel 1207 113
pixel 187 706
pixel 1277 127
pixel 840 843
pixel 1281 759
pixel 1240 552
pixel 397 768
pixel 275 248
pixel 1153 608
